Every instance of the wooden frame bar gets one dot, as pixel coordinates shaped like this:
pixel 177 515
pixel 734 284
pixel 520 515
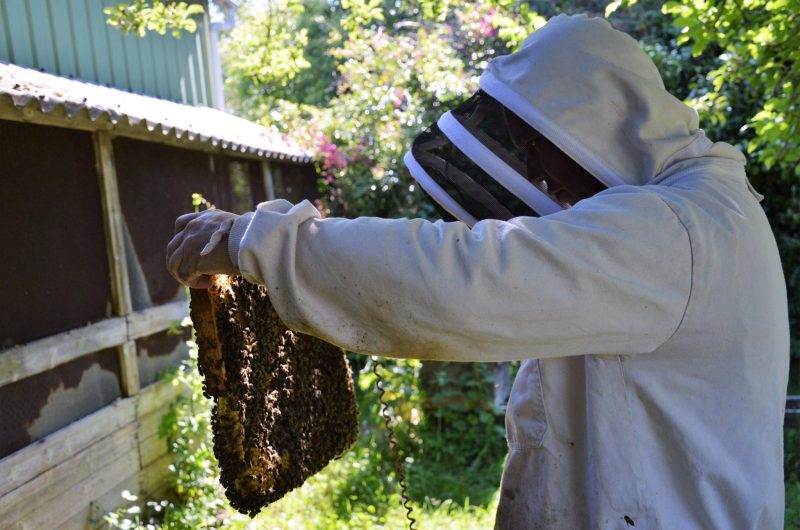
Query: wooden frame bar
pixel 39 356
pixel 156 319
pixel 23 361
pixel 54 480
pixel 113 221
pixel 269 183
pixel 82 122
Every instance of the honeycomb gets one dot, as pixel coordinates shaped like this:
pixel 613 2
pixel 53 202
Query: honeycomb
pixel 284 402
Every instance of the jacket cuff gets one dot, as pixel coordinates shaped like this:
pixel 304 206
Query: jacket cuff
pixel 235 237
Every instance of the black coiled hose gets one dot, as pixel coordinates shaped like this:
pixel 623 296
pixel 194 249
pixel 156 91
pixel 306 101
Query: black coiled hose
pixel 398 463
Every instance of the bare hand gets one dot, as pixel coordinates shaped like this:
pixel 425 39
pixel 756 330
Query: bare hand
pixel 192 232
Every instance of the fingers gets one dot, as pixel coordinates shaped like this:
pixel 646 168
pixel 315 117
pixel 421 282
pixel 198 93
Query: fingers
pixel 183 220
pixel 183 262
pixel 183 253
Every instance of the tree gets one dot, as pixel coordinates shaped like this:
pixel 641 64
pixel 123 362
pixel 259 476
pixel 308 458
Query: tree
pixel 374 73
pixel 141 16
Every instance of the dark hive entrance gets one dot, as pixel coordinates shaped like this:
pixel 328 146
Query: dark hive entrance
pixel 284 404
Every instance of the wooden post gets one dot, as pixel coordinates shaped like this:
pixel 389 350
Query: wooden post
pixel 269 184
pixel 115 244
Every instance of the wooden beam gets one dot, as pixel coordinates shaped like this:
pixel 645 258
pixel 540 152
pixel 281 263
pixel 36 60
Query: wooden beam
pixel 26 464
pixel 19 362
pixel 154 397
pixel 129 368
pixel 58 494
pixel 156 319
pixel 152 477
pixel 23 361
pixel 89 516
pixel 81 121
pixel 269 183
pixel 114 222
pixel 91 461
pixel 54 479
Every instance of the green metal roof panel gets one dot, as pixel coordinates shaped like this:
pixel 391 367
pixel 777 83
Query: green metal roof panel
pixel 70 38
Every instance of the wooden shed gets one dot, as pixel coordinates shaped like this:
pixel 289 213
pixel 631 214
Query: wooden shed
pixel 93 178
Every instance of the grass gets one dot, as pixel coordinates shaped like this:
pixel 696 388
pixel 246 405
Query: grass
pixel 347 496
pixel 453 459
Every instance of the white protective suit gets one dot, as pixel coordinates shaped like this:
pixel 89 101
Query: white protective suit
pixel 651 318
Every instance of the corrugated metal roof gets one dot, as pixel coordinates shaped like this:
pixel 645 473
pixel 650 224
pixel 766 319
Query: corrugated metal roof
pixel 159 116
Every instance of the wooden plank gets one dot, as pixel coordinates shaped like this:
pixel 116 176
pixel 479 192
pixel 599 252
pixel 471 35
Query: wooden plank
pixel 89 464
pixel 150 424
pixel 187 52
pixel 113 220
pixel 115 244
pixel 215 100
pixel 156 319
pixel 151 410
pixel 177 89
pixel 58 118
pixel 23 361
pixel 152 479
pixel 89 516
pixel 19 33
pixel 39 356
pixel 65 504
pixel 32 461
pixel 269 183
pixel 151 449
pixel 156 397
pixel 129 367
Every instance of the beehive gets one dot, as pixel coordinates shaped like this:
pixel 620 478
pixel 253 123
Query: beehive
pixel 284 403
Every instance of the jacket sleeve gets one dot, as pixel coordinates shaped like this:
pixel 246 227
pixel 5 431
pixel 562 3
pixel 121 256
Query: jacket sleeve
pixel 611 275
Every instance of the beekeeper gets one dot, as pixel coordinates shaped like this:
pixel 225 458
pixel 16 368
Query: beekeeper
pixel 604 241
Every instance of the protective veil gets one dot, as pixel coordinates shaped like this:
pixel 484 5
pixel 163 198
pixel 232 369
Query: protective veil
pixel 480 162
pixel 651 317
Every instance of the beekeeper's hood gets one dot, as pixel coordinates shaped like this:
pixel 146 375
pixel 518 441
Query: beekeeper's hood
pixel 587 88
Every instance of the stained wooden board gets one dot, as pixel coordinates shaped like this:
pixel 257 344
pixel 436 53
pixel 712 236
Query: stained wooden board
pixel 155 319
pixel 39 356
pixel 89 516
pixel 152 478
pixel 23 361
pixel 26 464
pixel 151 449
pixel 156 397
pixel 76 474
pixel 68 503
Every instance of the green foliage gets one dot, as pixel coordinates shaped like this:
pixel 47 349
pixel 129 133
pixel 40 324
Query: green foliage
pixel 141 16
pixel 377 72
pixel 791 443
pixel 267 46
pixel 758 45
pixel 736 64
pixel 454 464
pixel 198 499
